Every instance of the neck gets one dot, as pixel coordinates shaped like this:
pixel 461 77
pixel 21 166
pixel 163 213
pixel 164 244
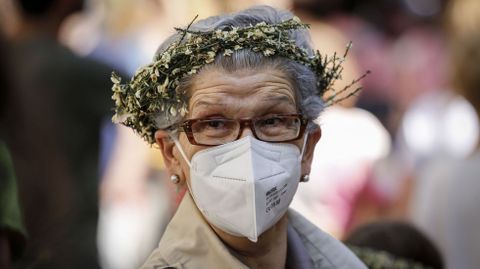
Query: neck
pixel 270 251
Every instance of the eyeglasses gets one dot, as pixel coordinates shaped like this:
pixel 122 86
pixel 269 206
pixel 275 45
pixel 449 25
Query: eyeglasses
pixel 218 131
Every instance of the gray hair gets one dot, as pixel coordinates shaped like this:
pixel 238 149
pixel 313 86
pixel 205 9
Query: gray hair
pixel 303 79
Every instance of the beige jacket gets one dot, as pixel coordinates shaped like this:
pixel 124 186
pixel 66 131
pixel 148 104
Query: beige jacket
pixel 189 242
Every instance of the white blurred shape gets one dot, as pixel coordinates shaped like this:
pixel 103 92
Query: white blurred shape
pixel 461 127
pixel 128 232
pixel 440 123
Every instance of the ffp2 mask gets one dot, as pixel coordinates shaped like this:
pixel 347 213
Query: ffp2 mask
pixel 244 187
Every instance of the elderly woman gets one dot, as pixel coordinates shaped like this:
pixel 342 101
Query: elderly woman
pixel 230 101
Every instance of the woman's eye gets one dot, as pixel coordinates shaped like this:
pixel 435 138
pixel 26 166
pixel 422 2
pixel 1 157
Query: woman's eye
pixel 271 121
pixel 215 123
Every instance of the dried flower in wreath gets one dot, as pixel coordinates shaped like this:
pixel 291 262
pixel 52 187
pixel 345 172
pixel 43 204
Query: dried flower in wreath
pixel 155 89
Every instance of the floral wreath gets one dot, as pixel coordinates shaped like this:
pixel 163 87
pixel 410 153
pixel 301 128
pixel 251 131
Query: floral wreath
pixel 155 89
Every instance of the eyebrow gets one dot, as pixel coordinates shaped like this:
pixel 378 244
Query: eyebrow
pixel 282 98
pixel 207 103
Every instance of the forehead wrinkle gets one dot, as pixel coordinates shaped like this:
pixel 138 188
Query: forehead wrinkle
pixel 203 103
pixel 278 98
pixel 204 100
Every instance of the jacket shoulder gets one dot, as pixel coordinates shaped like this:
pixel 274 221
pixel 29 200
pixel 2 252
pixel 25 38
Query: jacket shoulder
pixel 325 251
pixel 157 261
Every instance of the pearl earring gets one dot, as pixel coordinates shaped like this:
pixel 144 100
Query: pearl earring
pixel 305 178
pixel 175 179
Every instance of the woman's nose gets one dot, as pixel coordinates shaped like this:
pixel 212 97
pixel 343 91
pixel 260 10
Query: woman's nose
pixel 246 130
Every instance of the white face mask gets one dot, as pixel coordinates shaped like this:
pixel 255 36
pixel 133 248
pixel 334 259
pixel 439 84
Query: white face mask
pixel 244 187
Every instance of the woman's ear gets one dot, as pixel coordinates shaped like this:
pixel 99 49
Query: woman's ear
pixel 166 145
pixel 312 139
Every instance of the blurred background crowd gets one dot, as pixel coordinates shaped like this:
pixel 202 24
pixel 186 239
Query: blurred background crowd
pixel 77 191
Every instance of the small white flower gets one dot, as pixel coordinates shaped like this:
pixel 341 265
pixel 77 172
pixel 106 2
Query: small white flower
pixel 173 111
pixel 175 71
pixel 165 83
pixel 116 88
pixel 118 100
pixel 233 33
pixel 228 52
pixel 268 52
pixel 162 88
pixel 166 57
pixel 120 117
pixel 258 34
pixel 211 57
pixel 268 30
pixel 183 111
pixel 115 79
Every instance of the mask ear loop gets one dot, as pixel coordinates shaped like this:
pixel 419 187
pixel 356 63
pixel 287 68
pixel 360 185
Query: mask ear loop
pixel 305 138
pixel 174 137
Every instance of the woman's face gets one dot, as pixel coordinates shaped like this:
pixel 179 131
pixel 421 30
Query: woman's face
pixel 243 94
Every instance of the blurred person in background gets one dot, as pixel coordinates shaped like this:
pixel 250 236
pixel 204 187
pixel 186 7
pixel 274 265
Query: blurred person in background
pixel 12 230
pixel 393 244
pixel 445 203
pixel 52 128
pixel 433 111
